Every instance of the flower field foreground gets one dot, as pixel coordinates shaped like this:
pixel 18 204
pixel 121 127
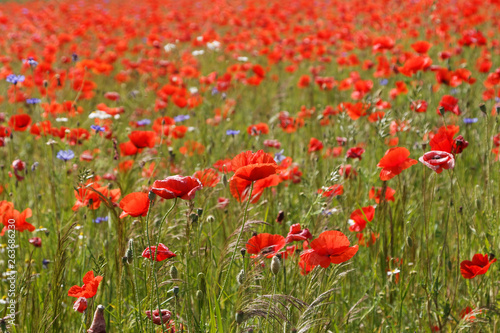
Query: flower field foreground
pixel 249 166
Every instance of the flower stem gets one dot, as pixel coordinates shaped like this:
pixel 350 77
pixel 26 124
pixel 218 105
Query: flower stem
pixel 153 259
pixel 237 242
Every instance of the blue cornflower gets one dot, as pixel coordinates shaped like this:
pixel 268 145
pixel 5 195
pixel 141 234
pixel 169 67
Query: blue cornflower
pixel 383 82
pixel 97 128
pixel 74 57
pixel 100 219
pixel 65 155
pixel 143 122
pixel 45 263
pixel 279 157
pixel 232 132
pixel 33 100
pixel 181 117
pixel 215 91
pixel 497 99
pixel 470 120
pixel 15 79
pixel 454 91
pixel 32 62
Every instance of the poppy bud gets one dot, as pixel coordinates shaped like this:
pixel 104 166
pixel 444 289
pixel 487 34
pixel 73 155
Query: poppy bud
pixel 173 272
pixel 280 217
pixel 199 295
pixel 243 251
pixel 492 256
pixel 441 110
pixel 175 290
pixel 199 211
pixel 193 217
pixel 130 251
pixel 98 324
pixel 210 219
pixel 124 260
pixel 240 277
pixel 482 107
pixel 409 241
pixel 275 265
pixel 240 317
pixel 498 110
pixel 36 241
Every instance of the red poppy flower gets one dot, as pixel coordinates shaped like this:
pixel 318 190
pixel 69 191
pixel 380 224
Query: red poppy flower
pixel 253 166
pixel 134 204
pixel 421 46
pixel 20 122
pixel 332 191
pixel 419 106
pixel 360 217
pixel 438 160
pixel 478 266
pixel 355 152
pixel 36 241
pixel 450 104
pixel 330 247
pixel 7 212
pixel 240 188
pixel 80 304
pixel 156 319
pixel 89 288
pixel 162 253
pixel 183 187
pixel 347 171
pixel 258 129
pixel 222 203
pixel 376 193
pixel 208 177
pixel 297 234
pixel 469 314
pixel 394 162
pixel 265 244
pixel 458 145
pixel 128 149
pixel 272 144
pixel 315 145
pixel 143 139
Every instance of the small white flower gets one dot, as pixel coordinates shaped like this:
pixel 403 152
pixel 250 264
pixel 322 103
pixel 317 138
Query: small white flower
pixel 191 129
pixel 117 116
pixel 99 114
pixel 394 271
pixel 193 90
pixel 67 131
pixel 78 227
pixel 199 38
pixel 243 59
pixel 351 222
pixel 214 46
pixel 61 120
pixel 197 52
pixel 169 47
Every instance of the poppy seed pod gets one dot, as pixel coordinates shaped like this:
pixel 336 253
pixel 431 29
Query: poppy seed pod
pixel 98 324
pixel 275 265
pixel 176 290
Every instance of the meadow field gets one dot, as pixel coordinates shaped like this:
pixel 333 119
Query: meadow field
pixel 249 166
